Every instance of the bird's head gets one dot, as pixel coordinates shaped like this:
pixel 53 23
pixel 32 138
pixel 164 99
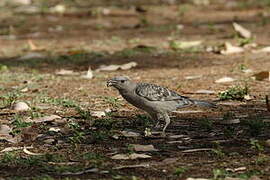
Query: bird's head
pixel 120 83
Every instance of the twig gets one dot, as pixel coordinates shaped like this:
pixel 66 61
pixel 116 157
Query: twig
pixel 267 103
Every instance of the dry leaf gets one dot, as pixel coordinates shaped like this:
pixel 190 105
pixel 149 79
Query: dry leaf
pixel 197 150
pixel 263 50
pixel 130 156
pixel 64 72
pixel 197 179
pixel 230 49
pixel 204 91
pixel 33 47
pixel 193 77
pixel 4 134
pixel 31 153
pixel 128 66
pixel 8 149
pixel 114 67
pixel 92 170
pixel 187 112
pixel 262 75
pixel 174 142
pixel 108 68
pixel 236 169
pixel 32 55
pixel 130 134
pixel 133 166
pixel 20 106
pixel 98 114
pixel 230 121
pixel 184 44
pixel 144 148
pixel 178 136
pixel 45 119
pixel 225 80
pixel 60 8
pixel 243 32
pixel 55 129
pixel 89 74
pixel 147 132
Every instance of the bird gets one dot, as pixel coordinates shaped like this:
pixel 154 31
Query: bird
pixel 156 100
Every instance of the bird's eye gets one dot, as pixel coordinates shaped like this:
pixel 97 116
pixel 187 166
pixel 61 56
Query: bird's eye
pixel 122 81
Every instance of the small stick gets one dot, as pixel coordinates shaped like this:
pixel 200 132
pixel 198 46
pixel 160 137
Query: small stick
pixel 267 103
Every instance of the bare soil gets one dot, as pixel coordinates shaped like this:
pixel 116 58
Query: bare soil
pixel 76 41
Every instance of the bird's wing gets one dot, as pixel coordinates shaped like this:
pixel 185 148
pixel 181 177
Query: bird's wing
pixel 154 92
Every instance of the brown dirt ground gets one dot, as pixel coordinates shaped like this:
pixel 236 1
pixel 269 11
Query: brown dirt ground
pixel 84 34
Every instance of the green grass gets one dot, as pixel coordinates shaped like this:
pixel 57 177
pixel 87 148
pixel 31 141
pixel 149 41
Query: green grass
pixel 234 93
pixel 19 123
pixel 59 101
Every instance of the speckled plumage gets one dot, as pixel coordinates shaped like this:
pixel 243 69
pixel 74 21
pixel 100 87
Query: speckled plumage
pixel 156 100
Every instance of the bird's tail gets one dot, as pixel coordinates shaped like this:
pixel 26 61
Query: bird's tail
pixel 204 104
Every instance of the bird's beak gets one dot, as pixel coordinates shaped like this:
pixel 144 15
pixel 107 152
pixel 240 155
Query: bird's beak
pixel 110 83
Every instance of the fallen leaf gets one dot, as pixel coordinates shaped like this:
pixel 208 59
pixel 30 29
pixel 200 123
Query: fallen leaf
pixel 33 47
pixel 63 163
pixel 8 149
pixel 231 178
pixel 49 141
pixel 20 2
pixel 225 80
pixel 247 71
pixel 20 106
pixel 147 132
pixel 4 134
pixel 54 129
pixel 45 119
pixel 201 2
pixel 184 44
pixel 144 148
pixel 197 179
pixel 114 67
pixel 130 134
pixel 32 55
pixel 204 91
pixel 133 166
pixel 130 156
pixel 197 150
pixel 24 89
pixel 263 50
pixel 187 112
pixel 64 72
pixel 193 77
pixel 248 97
pixel 230 121
pixel 31 153
pixel 262 75
pixel 178 136
pixel 89 74
pixel 128 66
pixel 60 9
pixel 236 169
pixel 243 32
pixel 174 142
pixel 230 49
pixel 98 114
pixel 91 170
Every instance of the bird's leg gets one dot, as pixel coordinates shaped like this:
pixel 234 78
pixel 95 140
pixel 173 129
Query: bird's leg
pixel 167 122
pixel 154 117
